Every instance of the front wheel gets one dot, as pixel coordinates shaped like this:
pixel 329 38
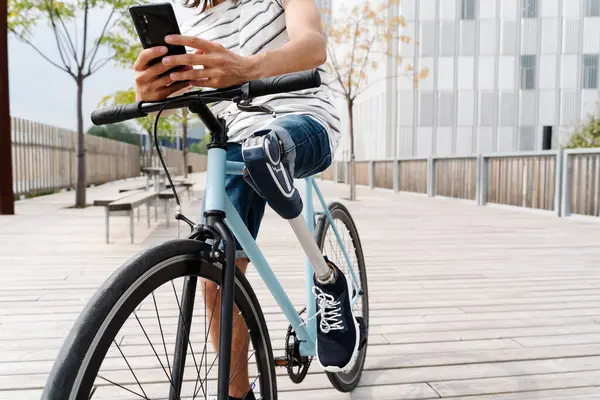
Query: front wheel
pixel 330 246
pixel 125 344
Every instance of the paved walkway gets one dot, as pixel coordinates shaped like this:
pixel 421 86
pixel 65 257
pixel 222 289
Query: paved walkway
pixel 467 302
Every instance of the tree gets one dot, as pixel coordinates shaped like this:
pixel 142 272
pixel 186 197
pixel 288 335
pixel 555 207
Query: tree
pixel 166 125
pixel 184 136
pixel 80 55
pixel 199 148
pixel 7 206
pixel 121 132
pixel 356 43
pixel 587 135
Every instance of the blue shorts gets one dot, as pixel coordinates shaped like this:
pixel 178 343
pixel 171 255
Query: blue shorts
pixel 307 151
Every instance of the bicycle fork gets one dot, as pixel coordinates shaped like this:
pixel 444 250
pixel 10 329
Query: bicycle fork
pixel 214 219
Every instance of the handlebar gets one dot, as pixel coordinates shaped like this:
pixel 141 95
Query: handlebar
pixel 256 88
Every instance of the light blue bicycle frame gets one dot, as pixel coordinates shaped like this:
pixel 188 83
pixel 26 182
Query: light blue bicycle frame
pixel 216 199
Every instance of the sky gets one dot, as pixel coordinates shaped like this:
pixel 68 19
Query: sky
pixel 43 93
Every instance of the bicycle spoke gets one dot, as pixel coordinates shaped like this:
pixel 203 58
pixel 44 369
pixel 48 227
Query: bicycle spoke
pixel 161 333
pixel 206 376
pixel 155 353
pixel 196 384
pixel 249 357
pixel 252 387
pixel 205 338
pixel 124 388
pixel 185 329
pixel 239 355
pixel 129 366
pixel 217 355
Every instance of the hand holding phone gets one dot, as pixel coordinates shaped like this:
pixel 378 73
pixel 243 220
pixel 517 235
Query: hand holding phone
pixel 153 22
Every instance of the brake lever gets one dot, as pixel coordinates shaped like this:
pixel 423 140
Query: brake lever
pixel 248 107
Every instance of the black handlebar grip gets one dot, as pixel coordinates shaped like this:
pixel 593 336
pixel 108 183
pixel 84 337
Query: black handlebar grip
pixel 118 113
pixel 284 83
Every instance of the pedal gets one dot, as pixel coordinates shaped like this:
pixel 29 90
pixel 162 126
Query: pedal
pixel 280 362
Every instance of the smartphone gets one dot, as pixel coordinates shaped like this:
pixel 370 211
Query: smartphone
pixel 153 22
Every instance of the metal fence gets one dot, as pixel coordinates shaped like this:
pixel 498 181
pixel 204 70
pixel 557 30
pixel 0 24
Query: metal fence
pixel 565 182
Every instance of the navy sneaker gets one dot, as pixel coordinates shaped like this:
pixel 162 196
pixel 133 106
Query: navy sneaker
pixel 338 334
pixel 248 396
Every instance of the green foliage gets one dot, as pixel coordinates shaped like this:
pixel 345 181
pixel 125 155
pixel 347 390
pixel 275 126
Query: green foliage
pixel 199 148
pixel 166 125
pixel 121 132
pixel 588 135
pixel 25 14
pixel 79 54
pixel 125 42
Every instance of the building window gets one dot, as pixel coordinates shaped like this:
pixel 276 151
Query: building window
pixel 592 8
pixel 468 9
pixel 530 9
pixel 528 72
pixel 590 71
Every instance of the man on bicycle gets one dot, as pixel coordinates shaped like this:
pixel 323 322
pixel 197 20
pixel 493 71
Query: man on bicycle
pixel 236 41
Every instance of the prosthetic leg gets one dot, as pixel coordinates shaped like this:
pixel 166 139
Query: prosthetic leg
pixel 270 178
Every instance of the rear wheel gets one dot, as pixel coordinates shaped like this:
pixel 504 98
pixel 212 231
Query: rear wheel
pixel 329 245
pixel 123 344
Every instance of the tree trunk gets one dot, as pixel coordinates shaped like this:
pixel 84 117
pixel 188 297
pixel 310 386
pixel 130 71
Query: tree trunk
pixel 7 206
pixel 351 172
pixel 150 152
pixel 81 176
pixel 184 126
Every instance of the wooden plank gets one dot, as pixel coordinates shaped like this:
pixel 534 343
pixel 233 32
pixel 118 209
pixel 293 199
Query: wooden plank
pixel 105 201
pixel 458 293
pixel 129 202
pixel 525 383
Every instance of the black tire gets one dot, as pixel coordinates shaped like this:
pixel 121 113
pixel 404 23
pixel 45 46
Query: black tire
pixel 86 346
pixel 346 382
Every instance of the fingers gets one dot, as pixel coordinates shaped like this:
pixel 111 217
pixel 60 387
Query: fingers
pixel 190 59
pixel 193 41
pixel 192 75
pixel 160 83
pixel 148 55
pixel 169 90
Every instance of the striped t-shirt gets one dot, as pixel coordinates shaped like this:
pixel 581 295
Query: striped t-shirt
pixel 246 28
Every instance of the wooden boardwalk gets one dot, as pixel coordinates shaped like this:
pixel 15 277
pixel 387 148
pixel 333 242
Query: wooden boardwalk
pixel 466 302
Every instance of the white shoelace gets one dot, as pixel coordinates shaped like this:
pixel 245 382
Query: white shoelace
pixel 330 311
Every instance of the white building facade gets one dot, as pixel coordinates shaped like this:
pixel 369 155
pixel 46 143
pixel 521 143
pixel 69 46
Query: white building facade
pixel 505 75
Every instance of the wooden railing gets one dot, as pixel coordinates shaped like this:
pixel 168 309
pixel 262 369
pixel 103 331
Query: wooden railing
pixel 455 177
pixel 581 182
pixel 44 158
pixel 174 160
pixel 526 180
pixel 565 182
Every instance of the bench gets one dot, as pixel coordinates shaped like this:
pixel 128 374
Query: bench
pixel 105 201
pixel 126 204
pixel 135 188
pixel 180 182
pixel 166 196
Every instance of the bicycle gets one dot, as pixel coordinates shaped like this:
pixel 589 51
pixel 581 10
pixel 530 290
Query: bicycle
pixel 131 294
